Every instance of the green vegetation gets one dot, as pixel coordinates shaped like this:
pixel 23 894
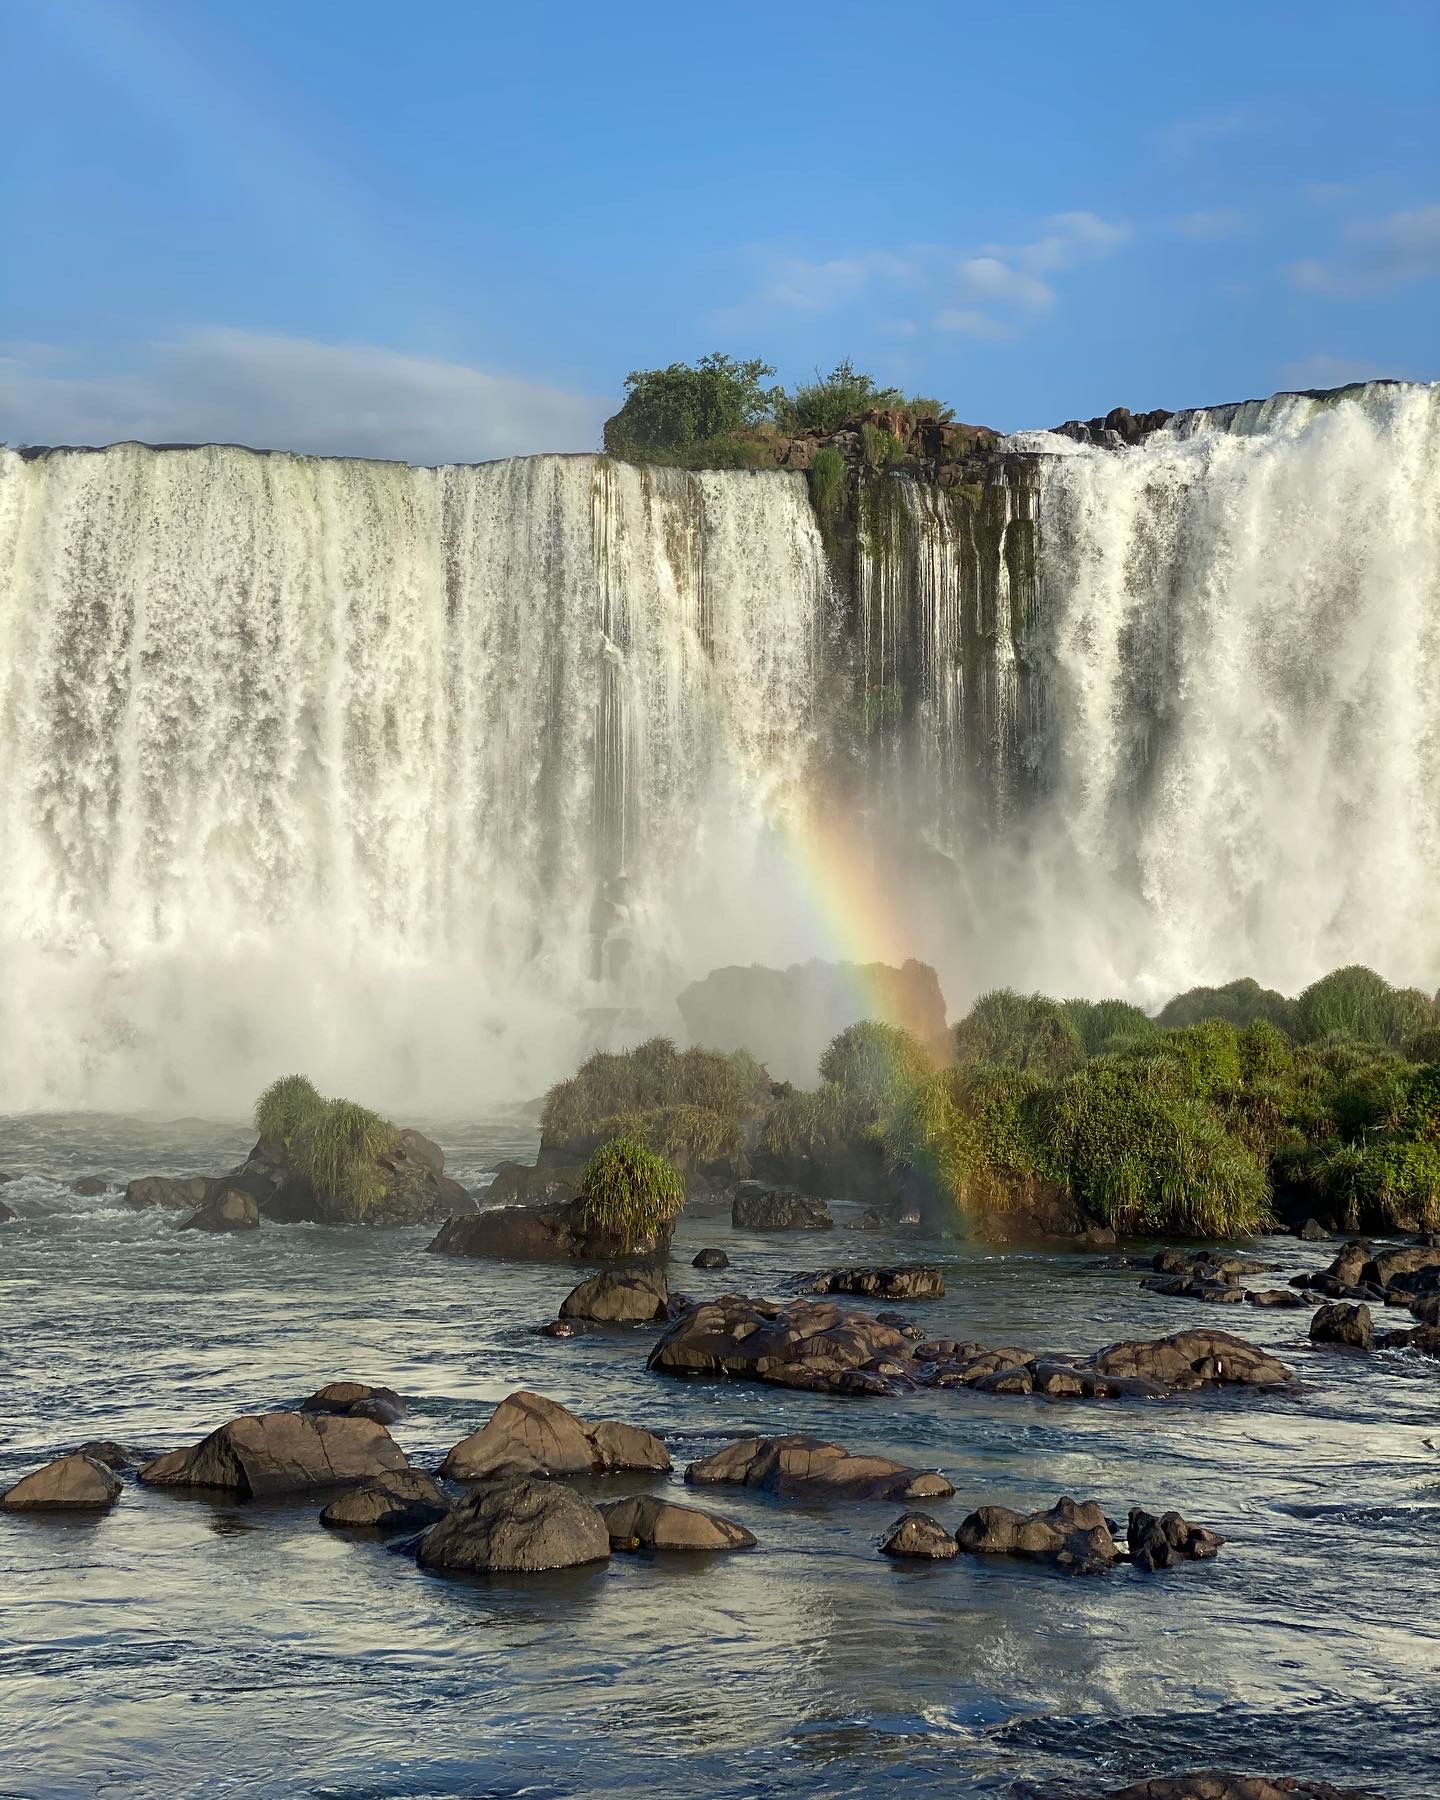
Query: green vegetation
pixel 1020 1031
pixel 827 481
pixel 336 1145
pixel 873 1063
pixel 833 400
pixel 1358 1003
pixel 676 409
pixel 690 1105
pixel 1239 1002
pixel 630 1193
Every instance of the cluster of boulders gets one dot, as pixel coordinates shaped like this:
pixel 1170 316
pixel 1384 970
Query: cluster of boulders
pixel 1220 1784
pixel 819 1346
pixel 911 1282
pixel 809 1468
pixel 1077 1538
pixel 1217 1277
pixel 758 1208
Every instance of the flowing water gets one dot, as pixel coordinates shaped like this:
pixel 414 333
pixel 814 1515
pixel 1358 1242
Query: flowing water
pixel 194 1648
pixel 422 779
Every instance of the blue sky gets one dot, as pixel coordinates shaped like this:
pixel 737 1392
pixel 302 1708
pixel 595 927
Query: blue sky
pixel 448 231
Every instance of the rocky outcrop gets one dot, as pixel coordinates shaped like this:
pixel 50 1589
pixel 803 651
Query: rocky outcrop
pixel 710 1259
pixel 807 1344
pixel 1204 1275
pixel 1160 1543
pixel 407 1500
pixel 281 1453
pixel 530 1435
pixel 356 1400
pixel 228 1208
pixel 559 1231
pixel 799 1467
pixel 410 1188
pixel 73 1484
pixel 1118 429
pixel 633 1296
pixel 917 1534
pixel 758 1208
pixel 171 1191
pixel 787 1017
pixel 520 1526
pixel 649 1523
pixel 1216 1784
pixel 1075 1538
pixel 1343 1324
pixel 1139 1368
pixel 910 1282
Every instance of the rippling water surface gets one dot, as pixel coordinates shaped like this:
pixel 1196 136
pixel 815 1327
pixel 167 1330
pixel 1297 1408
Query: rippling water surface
pixel 182 1647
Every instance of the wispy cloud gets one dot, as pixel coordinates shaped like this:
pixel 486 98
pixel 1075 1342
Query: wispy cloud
pixel 1189 137
pixel 1003 289
pixel 1214 226
pixel 1375 254
pixel 228 386
pixel 818 286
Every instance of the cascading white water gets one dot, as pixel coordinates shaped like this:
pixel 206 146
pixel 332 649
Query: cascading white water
pixel 1239 632
pixel 399 775
pixel 323 764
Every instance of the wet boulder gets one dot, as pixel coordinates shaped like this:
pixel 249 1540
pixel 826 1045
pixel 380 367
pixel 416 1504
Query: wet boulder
pixel 807 1344
pixel 1160 1543
pixel 407 1500
pixel 557 1231
pixel 403 1185
pixel 710 1259
pixel 281 1453
pixel 809 1468
pixel 73 1484
pixel 1075 1538
pixel 1192 1359
pixel 1390 1268
pixel 6 1215
pixel 625 1296
pixel 1343 1324
pixel 177 1193
pixel 1277 1297
pixel 88 1187
pixel 1216 1784
pixel 917 1534
pixel 356 1400
pixel 647 1522
pixel 1311 1231
pixel 106 1450
pixel 528 1434
pixel 520 1526
pixel 910 1282
pixel 226 1209
pixel 758 1208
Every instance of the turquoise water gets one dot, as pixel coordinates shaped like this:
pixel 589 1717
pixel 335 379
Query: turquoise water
pixel 184 1647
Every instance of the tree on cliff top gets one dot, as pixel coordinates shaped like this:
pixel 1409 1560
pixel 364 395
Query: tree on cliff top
pixel 833 400
pixel 668 409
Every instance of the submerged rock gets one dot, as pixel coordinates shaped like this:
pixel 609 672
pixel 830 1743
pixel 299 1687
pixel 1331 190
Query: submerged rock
pixel 72 1484
pixel 560 1231
pixel 710 1259
pixel 634 1296
pixel 807 1344
pixel 228 1208
pixel 1075 1538
pixel 647 1522
pixel 1159 1543
pixel 1350 1326
pixel 517 1526
pixel 914 1281
pixel 758 1208
pixel 806 1467
pixel 917 1534
pixel 88 1187
pixel 177 1192
pixel 281 1453
pixel 1215 1784
pixel 407 1500
pixel 107 1451
pixel 356 1400
pixel 530 1435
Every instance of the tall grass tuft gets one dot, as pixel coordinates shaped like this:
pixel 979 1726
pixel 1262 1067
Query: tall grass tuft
pixel 630 1193
pixel 285 1106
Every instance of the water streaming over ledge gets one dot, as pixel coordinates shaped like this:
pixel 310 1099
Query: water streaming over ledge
pixel 415 776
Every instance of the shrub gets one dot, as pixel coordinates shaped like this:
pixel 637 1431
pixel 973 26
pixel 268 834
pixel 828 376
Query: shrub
pixel 1238 1002
pixel 827 480
pixel 652 1076
pixel 833 400
pixel 1424 1046
pixel 684 404
pixel 338 1150
pixel 1146 1160
pixel 285 1106
pixel 1355 1002
pixel 689 1136
pixel 880 448
pixel 1382 1186
pixel 872 1062
pixel 1207 1056
pixel 1103 1024
pixel 630 1193
pixel 1020 1031
pixel 825 1124
pixel 976 1134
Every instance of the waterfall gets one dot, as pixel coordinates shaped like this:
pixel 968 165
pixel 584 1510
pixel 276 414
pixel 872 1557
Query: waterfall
pixel 1239 632
pixel 348 766
pixel 415 778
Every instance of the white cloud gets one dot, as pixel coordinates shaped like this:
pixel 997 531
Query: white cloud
pixel 1070 238
pixel 818 286
pixel 1377 254
pixel 1214 226
pixel 969 321
pixel 1188 137
pixel 992 282
pixel 222 385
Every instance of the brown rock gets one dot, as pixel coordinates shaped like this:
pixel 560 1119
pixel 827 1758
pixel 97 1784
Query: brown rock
pixel 558 1231
pixel 89 1187
pixel 1159 1543
pixel 1075 1538
pixel 757 1208
pixel 189 1192
pixel 73 1484
pixel 635 1296
pixel 649 1523
pixel 807 1344
pixel 1350 1326
pixel 917 1534
pixel 356 1400
pixel 797 1466
pixel 530 1435
pixel 1214 1784
pixel 281 1453
pixel 408 1500
pixel 524 1526
pixel 912 1282
pixel 227 1208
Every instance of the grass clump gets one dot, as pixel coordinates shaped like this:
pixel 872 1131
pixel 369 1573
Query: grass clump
pixel 872 1062
pixel 1107 1024
pixel 1020 1031
pixel 690 1136
pixel 286 1106
pixel 338 1151
pixel 654 1077
pixel 1357 1003
pixel 827 480
pixel 1239 1003
pixel 630 1193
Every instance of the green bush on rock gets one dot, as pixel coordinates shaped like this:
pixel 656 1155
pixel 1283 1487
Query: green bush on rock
pixel 630 1194
pixel 1357 1003
pixel 668 1089
pixel 1020 1031
pixel 873 1062
pixel 286 1106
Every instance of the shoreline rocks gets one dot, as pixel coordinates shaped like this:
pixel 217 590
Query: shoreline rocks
pixel 265 1454
pixel 806 1467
